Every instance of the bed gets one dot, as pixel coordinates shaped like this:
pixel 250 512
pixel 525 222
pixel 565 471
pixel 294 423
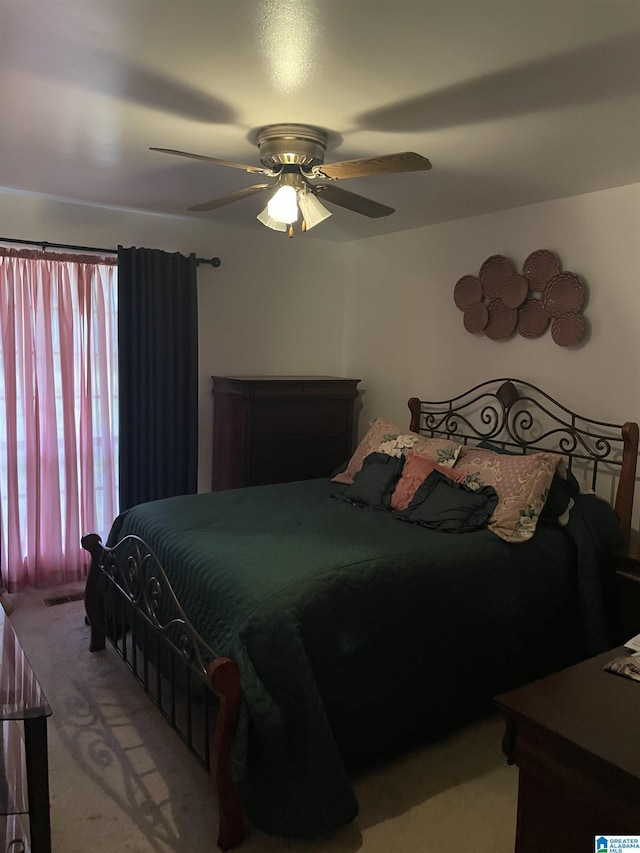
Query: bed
pixel 303 631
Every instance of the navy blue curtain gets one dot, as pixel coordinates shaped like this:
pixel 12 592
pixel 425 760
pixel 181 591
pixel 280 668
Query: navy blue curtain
pixel 158 375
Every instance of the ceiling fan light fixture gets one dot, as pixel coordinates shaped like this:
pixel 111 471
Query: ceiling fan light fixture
pixel 270 222
pixel 313 211
pixel 293 154
pixel 283 205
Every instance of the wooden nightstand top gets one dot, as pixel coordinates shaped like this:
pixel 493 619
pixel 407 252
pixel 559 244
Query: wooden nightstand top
pixel 572 736
pixel 586 706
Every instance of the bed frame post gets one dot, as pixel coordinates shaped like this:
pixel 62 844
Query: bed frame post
pixel 626 484
pixel 414 408
pixel 93 604
pixel 224 676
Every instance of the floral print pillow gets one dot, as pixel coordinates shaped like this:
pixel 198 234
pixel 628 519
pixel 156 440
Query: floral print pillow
pixel 522 484
pixel 387 437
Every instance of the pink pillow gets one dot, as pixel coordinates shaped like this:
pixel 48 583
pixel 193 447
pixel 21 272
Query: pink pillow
pixel 417 468
pixel 387 437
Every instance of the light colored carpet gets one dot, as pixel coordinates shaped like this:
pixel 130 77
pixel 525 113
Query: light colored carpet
pixel 121 780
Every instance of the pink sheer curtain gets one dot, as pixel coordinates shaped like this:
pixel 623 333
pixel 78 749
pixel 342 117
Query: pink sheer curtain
pixel 58 412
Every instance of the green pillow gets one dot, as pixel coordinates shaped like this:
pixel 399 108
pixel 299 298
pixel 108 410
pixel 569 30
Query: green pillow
pixel 374 483
pixel 443 504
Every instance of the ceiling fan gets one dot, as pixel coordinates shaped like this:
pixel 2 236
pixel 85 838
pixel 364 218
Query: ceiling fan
pixel 293 155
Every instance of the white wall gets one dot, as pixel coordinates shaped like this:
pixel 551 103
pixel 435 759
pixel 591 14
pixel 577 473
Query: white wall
pixel 273 306
pixel 405 337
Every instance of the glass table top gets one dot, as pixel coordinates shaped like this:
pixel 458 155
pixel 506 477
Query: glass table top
pixel 21 697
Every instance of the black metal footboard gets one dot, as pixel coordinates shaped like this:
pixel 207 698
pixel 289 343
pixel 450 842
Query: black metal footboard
pixel 130 602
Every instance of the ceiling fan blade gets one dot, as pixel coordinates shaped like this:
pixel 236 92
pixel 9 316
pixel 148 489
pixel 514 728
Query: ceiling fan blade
pixel 357 203
pixel 229 199
pixel 405 161
pixel 257 170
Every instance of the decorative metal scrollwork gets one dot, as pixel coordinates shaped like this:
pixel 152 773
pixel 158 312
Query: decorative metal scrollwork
pixel 138 574
pixel 568 438
pixel 525 421
pixel 454 423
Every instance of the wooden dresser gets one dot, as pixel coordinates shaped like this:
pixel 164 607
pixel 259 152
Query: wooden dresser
pixel 275 429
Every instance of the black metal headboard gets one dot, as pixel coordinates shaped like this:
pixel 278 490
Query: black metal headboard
pixel 519 416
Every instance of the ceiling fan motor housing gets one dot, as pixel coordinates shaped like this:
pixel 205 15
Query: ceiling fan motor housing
pixel 291 144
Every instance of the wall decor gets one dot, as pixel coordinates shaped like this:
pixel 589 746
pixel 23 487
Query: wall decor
pixel 467 292
pixel 502 320
pixel 500 301
pixel 539 267
pixel 567 329
pixel 476 317
pixel 494 273
pixel 532 319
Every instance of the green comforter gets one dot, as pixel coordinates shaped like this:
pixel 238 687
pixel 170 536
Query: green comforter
pixel 357 634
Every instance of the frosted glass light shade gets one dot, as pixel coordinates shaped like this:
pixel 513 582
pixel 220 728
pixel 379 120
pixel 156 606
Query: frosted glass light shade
pixel 283 206
pixel 270 222
pixel 313 211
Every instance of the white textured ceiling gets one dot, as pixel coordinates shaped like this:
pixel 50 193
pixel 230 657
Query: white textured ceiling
pixel 513 101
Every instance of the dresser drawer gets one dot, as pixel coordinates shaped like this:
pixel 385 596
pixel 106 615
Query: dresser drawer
pixel 281 460
pixel 300 417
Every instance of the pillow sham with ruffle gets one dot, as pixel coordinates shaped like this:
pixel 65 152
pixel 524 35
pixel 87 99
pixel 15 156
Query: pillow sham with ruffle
pixel 388 437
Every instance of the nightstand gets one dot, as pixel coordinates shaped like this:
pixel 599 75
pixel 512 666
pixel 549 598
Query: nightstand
pixel 573 737
pixel 627 589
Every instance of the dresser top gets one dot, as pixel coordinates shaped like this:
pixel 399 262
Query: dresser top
pixel 287 378
pixel 281 387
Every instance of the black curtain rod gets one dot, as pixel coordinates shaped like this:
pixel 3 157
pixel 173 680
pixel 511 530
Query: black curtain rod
pixel 214 262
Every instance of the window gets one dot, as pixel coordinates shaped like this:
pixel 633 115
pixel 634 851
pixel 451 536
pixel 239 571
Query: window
pixel 58 412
